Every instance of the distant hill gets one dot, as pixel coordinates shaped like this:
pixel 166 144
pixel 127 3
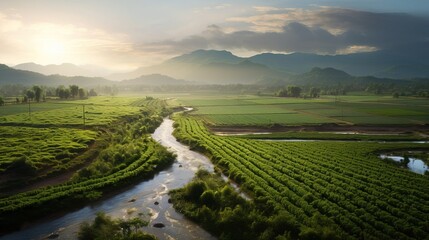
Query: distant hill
pixel 390 63
pixel 208 66
pixel 154 80
pixel 405 71
pixel 27 78
pixel 65 69
pixel 325 76
pixel 359 64
pixel 334 77
pixel 199 57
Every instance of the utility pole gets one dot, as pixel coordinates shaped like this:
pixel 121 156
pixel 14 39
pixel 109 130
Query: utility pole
pixel 29 109
pixel 83 114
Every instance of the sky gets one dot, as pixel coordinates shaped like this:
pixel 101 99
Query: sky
pixel 123 35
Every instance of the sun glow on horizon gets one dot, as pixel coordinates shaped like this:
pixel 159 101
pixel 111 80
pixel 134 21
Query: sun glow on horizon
pixel 51 49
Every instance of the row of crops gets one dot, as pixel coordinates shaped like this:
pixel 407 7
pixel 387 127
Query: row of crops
pixel 122 153
pixel 363 196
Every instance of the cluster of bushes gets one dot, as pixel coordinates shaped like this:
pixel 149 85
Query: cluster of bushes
pixel 104 227
pixel 214 204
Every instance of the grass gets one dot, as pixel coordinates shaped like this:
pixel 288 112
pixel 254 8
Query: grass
pixel 98 111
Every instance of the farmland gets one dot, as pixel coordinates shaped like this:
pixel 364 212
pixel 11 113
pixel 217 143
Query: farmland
pixel 326 189
pixel 43 147
pixel 54 160
pixel 247 110
pixel 68 153
pixel 98 111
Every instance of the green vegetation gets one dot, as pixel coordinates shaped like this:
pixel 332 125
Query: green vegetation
pixel 220 210
pixel 97 111
pixel 104 227
pixel 42 148
pixel 249 110
pixel 122 153
pixel 315 190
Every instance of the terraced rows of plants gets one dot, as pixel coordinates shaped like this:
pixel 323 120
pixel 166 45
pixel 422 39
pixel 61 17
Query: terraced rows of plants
pixel 43 147
pixel 124 153
pixel 362 196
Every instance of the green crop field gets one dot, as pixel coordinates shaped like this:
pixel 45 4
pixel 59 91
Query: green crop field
pixel 49 162
pixel 338 187
pixel 98 111
pixel 255 110
pixel 42 147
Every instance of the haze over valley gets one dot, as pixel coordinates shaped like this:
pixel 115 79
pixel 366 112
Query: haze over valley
pixel 195 119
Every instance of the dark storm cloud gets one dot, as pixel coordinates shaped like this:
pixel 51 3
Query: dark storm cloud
pixel 382 30
pixel 318 31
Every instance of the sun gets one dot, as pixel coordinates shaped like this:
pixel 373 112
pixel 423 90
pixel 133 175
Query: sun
pixel 52 49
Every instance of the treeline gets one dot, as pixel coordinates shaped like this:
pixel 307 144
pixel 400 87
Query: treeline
pixel 295 91
pixel 395 90
pixel 40 93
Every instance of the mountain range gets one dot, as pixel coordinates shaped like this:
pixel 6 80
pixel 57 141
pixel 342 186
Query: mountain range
pixel 222 67
pixel 65 69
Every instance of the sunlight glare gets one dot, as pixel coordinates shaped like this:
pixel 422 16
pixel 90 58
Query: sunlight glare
pixel 52 49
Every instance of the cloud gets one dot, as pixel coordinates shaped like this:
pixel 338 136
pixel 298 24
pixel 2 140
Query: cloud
pixel 23 41
pixel 321 30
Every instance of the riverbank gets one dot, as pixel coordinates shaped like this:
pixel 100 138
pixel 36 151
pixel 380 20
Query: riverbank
pixel 137 199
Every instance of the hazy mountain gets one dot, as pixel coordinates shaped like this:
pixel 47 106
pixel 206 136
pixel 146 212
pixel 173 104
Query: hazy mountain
pixel 224 67
pixel 208 66
pixel 325 76
pixel 154 80
pixel 181 66
pixel 334 77
pixel 405 71
pixel 199 57
pixel 65 69
pixel 359 64
pixel 27 78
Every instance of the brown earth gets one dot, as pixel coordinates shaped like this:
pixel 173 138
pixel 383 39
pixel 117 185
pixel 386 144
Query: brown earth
pixel 323 128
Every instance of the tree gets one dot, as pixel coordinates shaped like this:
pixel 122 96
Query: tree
pixel 314 92
pixel 92 93
pixel 37 93
pixel 30 94
pixel 1 101
pixel 74 90
pixel 282 93
pixel 62 92
pixel 82 93
pixel 294 91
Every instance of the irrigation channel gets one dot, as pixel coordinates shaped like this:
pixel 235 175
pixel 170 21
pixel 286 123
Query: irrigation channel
pixel 149 197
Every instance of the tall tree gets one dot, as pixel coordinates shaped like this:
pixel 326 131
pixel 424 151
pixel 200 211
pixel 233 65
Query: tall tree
pixel 37 93
pixel 82 93
pixel 294 91
pixel 1 101
pixel 30 94
pixel 314 92
pixel 74 90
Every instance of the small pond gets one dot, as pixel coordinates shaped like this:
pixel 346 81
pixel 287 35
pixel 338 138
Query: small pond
pixel 415 165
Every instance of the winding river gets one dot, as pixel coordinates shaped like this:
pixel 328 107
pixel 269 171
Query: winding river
pixel 137 199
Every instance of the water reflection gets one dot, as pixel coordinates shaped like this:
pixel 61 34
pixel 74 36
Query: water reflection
pixel 415 165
